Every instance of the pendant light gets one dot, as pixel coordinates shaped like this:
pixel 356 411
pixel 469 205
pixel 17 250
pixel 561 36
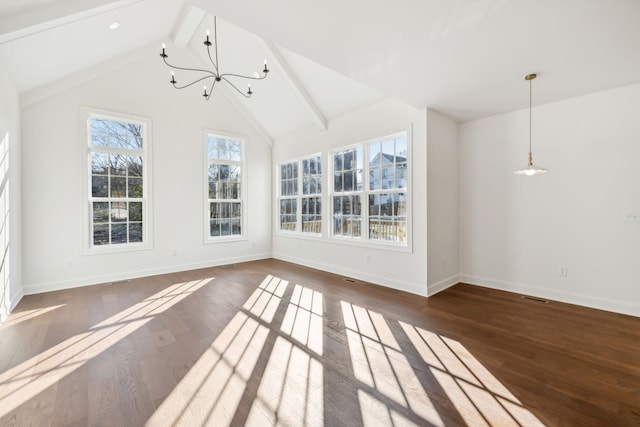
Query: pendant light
pixel 530 169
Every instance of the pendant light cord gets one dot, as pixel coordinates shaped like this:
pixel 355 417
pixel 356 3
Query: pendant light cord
pixel 530 104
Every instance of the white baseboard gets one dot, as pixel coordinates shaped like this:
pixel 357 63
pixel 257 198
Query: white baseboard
pixel 442 285
pixel 116 277
pixel 388 282
pixel 5 311
pixel 622 307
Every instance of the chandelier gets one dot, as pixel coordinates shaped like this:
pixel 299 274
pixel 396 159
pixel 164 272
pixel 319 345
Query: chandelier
pixel 530 169
pixel 213 75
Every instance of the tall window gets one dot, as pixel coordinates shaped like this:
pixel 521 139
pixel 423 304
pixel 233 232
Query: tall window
pixel 347 192
pixel 118 191
pixel 225 193
pixel 369 198
pixel 289 196
pixel 312 195
pixel 301 195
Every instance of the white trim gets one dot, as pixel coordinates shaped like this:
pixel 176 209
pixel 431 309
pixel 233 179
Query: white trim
pixel 387 282
pixel 296 86
pixel 147 178
pixel 187 24
pixel 244 187
pixel 6 310
pixel 442 285
pixel 623 307
pixel 46 17
pixel 105 279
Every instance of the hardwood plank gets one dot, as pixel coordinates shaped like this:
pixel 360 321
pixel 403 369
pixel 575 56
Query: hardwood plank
pixel 245 344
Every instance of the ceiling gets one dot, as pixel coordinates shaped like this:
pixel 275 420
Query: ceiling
pixel 464 58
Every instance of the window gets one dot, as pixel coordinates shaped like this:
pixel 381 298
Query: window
pixel 301 210
pixel 312 195
pixel 225 187
pixel 119 187
pixel 375 210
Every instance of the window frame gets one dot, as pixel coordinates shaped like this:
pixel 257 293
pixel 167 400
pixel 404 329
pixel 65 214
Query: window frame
pixel 298 232
pixel 366 191
pixel 208 239
pixel 89 248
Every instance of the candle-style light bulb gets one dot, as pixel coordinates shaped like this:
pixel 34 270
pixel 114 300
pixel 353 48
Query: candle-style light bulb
pixel 266 70
pixel 163 54
pixel 249 89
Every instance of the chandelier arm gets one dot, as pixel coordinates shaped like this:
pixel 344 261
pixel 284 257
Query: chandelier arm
pixel 235 87
pixel 211 90
pixel 198 70
pixel 194 82
pixel 243 77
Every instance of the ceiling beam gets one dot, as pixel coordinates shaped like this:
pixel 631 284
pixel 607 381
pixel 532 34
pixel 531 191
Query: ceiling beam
pixel 187 24
pixel 296 86
pixel 43 18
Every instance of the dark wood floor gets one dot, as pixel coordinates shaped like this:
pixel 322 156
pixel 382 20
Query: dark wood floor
pixel 270 343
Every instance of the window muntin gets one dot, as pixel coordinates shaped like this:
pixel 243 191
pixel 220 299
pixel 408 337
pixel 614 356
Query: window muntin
pixel 375 210
pixel 300 201
pixel 118 192
pixel 224 183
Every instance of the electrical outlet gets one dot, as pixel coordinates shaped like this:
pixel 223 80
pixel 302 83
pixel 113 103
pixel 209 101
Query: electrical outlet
pixel 632 217
pixel 563 271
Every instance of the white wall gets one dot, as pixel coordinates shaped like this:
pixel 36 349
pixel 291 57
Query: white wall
pixel 10 224
pixel 517 232
pixel 53 174
pixel 401 270
pixel 442 206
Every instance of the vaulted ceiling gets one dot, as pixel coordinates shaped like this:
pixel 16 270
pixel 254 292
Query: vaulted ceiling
pixel 465 58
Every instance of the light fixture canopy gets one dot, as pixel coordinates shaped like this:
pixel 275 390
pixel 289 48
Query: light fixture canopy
pixel 214 75
pixel 530 169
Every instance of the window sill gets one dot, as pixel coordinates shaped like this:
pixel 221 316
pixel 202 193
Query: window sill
pixel 224 239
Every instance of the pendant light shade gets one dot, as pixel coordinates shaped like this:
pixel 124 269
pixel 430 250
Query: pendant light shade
pixel 530 169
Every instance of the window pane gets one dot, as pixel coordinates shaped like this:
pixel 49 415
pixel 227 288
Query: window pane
pixel 101 234
pixel 119 211
pixel 118 186
pixel 337 182
pixel 99 186
pixel 99 163
pixel 135 211
pixel 135 232
pixel 135 188
pixel 117 165
pixel 100 212
pixel 119 233
pixel 134 165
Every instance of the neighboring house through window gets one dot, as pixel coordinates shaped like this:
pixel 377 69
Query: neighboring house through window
pixel 375 210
